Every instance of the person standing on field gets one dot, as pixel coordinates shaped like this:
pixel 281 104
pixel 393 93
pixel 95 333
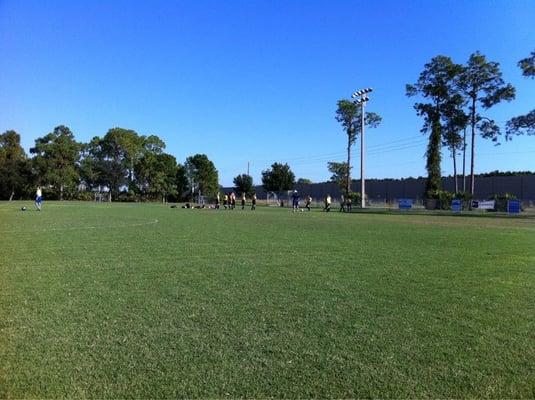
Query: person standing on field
pixel 230 201
pixel 327 203
pixel 233 200
pixel 307 202
pixel 295 201
pixel 217 200
pixel 225 201
pixel 253 201
pixel 243 201
pixel 349 204
pixel 342 204
pixel 38 198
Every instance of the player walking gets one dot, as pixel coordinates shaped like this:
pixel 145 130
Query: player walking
pixel 327 203
pixel 308 200
pixel 38 198
pixel 342 204
pixel 233 200
pixel 253 201
pixel 349 204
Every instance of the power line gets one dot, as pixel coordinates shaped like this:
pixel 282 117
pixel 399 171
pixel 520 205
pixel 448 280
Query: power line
pixel 376 149
pixel 372 153
pixel 409 140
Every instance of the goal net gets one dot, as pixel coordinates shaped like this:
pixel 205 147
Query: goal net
pixel 283 199
pixel 201 200
pixel 272 200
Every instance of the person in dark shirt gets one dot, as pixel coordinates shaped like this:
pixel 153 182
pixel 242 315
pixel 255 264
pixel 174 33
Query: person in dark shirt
pixel 349 204
pixel 342 204
pixel 307 202
pixel 253 201
pixel 295 201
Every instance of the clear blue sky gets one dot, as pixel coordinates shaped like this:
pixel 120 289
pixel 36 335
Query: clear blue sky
pixel 253 81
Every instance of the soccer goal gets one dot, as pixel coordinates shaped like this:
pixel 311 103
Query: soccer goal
pixel 99 197
pixel 272 200
pixel 282 199
pixel 201 200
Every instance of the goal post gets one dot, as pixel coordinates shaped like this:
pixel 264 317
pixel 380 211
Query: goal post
pixel 272 199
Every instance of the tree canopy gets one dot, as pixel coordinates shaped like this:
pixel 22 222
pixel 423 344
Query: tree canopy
pixel 14 166
pixel 338 171
pixel 482 85
pixel 523 124
pixel 436 83
pixel 527 65
pixel 202 175
pixel 278 178
pixel 56 160
pixel 244 184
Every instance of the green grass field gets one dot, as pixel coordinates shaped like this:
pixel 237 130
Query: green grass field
pixel 130 300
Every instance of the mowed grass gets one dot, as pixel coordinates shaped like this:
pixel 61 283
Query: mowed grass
pixel 131 300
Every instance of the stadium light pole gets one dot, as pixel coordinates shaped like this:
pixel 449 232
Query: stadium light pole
pixel 362 98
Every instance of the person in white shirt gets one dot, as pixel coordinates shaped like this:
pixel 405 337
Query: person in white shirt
pixel 38 198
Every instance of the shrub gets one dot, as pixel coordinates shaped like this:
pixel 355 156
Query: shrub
pixel 441 199
pixel 84 196
pixel 127 196
pixel 355 198
pixel 501 200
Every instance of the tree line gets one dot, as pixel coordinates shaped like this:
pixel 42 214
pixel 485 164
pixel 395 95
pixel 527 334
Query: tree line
pixel 122 165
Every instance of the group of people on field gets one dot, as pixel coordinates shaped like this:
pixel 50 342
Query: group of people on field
pixel 229 201
pixel 295 201
pixel 345 204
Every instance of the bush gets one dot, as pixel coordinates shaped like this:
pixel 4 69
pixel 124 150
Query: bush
pixel 464 196
pixel 84 196
pixel 442 199
pixel 355 198
pixel 439 199
pixel 50 194
pixel 127 196
pixel 501 201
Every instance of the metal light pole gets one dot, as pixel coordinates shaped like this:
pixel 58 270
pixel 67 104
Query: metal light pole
pixel 362 101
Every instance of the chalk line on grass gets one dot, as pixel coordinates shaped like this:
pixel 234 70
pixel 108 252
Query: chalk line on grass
pixel 85 227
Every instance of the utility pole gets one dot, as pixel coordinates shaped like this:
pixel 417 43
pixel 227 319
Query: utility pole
pixel 362 101
pixel 362 178
pixel 464 160
pixel 247 167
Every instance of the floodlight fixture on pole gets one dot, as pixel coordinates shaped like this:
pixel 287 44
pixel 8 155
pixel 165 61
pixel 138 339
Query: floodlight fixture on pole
pixel 362 101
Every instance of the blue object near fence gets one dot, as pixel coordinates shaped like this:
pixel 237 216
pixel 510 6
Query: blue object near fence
pixel 456 205
pixel 513 206
pixel 405 204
